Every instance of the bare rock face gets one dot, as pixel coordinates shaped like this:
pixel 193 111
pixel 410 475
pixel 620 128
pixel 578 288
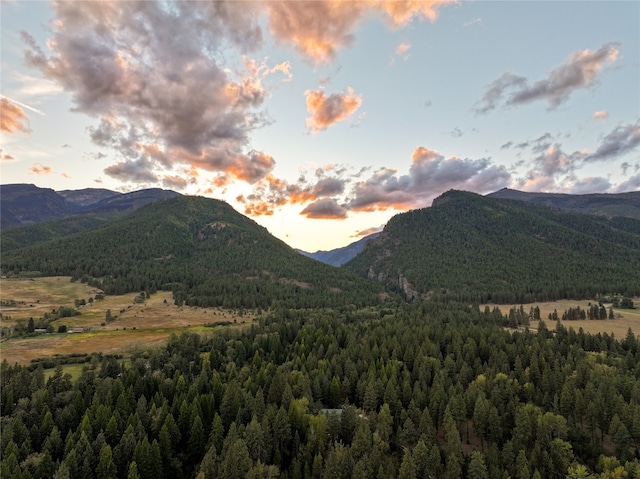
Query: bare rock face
pixel 406 287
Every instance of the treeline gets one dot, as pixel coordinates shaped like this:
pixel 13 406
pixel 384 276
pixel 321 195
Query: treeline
pixel 410 391
pixel 594 311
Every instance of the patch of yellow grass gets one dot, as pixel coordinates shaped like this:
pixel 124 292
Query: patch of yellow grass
pixel 154 320
pixel 625 318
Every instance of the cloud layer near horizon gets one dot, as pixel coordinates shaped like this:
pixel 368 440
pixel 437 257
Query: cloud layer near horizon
pixel 169 107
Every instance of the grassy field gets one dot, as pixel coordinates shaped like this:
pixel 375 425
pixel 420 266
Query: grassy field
pixel 136 327
pixel 625 318
pixel 140 326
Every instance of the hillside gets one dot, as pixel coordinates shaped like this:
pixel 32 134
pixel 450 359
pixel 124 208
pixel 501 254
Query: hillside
pixel 32 215
pixel 27 204
pixel 475 248
pixel 609 205
pixel 339 256
pixel 203 251
pixel 23 204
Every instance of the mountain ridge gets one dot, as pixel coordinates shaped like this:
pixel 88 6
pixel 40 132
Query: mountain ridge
pixel 605 204
pixel 473 248
pixel 339 256
pixel 203 250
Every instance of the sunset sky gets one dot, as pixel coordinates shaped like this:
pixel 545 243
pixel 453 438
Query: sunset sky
pixel 321 119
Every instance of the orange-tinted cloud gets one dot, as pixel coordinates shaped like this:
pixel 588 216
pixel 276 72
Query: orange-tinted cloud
pixel 601 115
pixel 320 29
pixel 430 175
pixel 272 192
pixel 325 111
pixel 12 117
pixel 402 50
pixel 39 169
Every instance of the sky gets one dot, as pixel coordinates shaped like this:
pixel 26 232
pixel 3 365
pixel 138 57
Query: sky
pixel 322 119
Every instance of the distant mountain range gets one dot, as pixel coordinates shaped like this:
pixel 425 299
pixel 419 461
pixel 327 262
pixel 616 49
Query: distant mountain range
pixel 601 204
pixel 24 204
pixel 339 256
pixel 465 247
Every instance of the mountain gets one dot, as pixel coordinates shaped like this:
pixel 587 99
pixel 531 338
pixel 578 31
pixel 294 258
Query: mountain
pixel 473 248
pixel 27 204
pixel 609 205
pixel 32 215
pixel 80 199
pixel 339 256
pixel 201 249
pixel 23 204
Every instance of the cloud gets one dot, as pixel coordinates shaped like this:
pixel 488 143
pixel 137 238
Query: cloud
pixel 579 71
pixel 150 72
pixel 618 142
pixel 367 232
pixel 137 171
pixel 174 182
pixel 13 118
pixel 632 184
pixel 456 132
pixel 39 169
pixel 589 185
pixel 325 111
pixel 260 68
pixel 402 50
pixel 319 29
pixel 475 21
pixel 33 87
pixel 326 209
pixel 429 176
pixel 601 115
pixel 273 192
pixel 5 157
pixel 551 166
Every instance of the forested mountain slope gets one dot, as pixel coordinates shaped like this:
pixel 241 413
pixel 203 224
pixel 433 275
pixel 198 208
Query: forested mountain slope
pixel 202 250
pixel 32 220
pixel 24 204
pixel 473 248
pixel 604 204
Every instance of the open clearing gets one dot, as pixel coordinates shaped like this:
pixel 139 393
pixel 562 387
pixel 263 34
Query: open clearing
pixel 140 326
pixel 625 318
pixel 136 326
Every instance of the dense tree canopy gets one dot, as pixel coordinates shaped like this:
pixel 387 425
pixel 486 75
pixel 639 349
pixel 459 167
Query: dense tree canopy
pixel 427 390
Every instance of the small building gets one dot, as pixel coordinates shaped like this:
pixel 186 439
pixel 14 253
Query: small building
pixel 75 330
